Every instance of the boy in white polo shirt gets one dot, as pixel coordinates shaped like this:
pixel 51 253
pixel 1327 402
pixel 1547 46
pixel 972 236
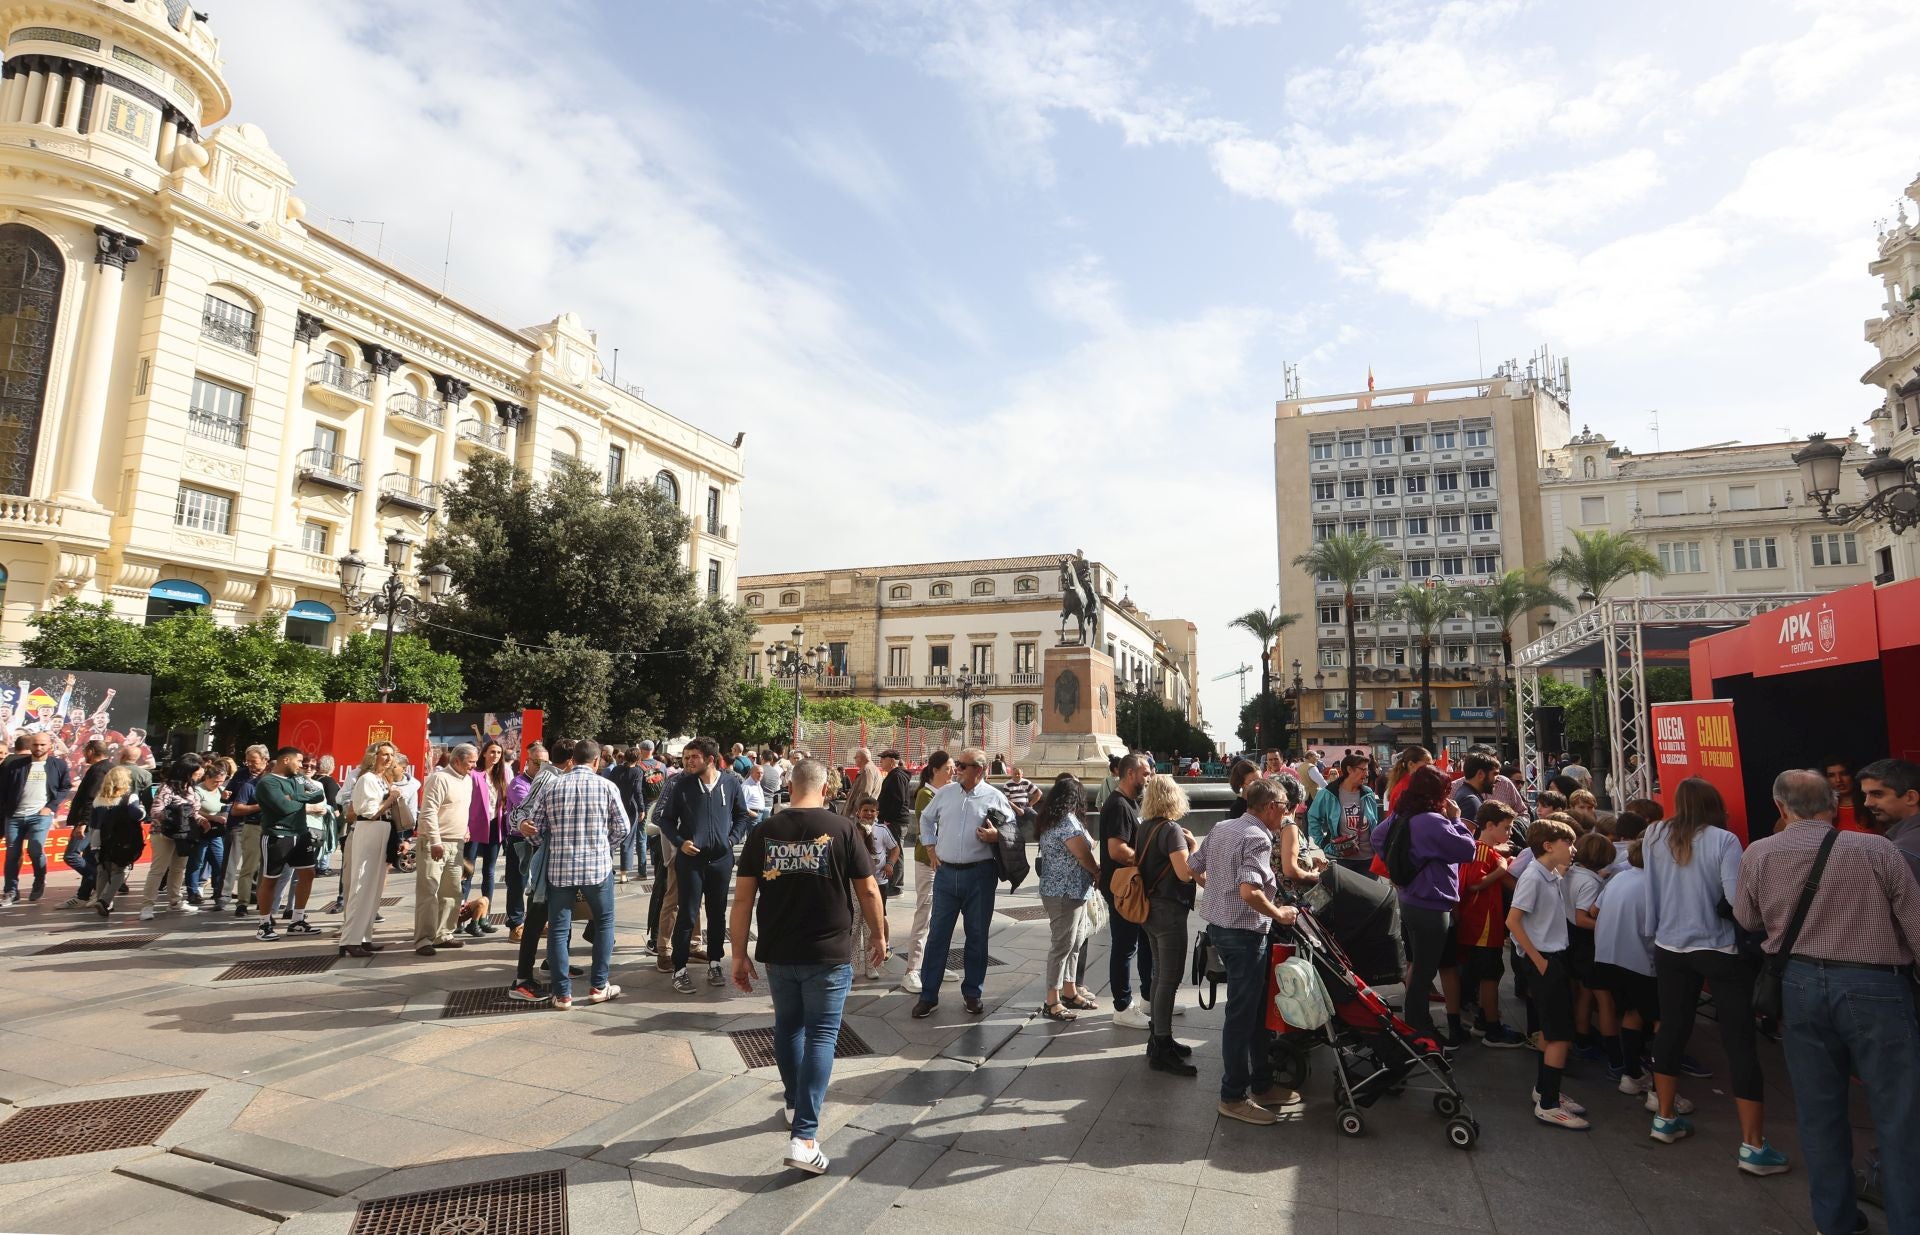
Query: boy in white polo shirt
pixel 1538 924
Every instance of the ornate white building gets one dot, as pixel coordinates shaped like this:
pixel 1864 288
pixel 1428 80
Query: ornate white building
pixel 1895 425
pixel 208 401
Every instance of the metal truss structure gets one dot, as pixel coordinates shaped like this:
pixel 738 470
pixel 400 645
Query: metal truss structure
pixel 1618 628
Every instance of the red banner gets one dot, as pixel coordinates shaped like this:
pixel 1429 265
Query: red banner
pixel 1699 739
pixel 1840 628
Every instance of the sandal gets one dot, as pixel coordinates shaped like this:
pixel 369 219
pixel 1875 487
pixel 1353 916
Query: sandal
pixel 1056 1012
pixel 1082 1001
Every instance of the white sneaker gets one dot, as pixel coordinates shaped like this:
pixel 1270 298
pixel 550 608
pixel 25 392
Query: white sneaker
pixel 910 982
pixel 1561 1118
pixel 1566 1103
pixel 804 1157
pixel 186 908
pixel 1634 1086
pixel 609 991
pixel 146 915
pixel 1133 1016
pixel 1680 1105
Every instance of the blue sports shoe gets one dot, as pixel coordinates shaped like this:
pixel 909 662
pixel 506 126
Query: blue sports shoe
pixel 1765 1160
pixel 1670 1130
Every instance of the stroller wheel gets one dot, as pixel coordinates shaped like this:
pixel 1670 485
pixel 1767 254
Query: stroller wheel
pixel 1351 1124
pixel 1463 1133
pixel 1290 1066
pixel 1446 1105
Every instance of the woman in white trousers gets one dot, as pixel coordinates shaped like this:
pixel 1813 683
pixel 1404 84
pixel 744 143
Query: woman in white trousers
pixel 373 806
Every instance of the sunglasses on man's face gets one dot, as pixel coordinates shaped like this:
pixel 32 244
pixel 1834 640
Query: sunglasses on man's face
pixel 964 767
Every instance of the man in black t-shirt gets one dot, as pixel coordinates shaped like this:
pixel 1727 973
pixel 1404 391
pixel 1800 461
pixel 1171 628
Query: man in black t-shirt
pixel 1119 821
pixel 805 866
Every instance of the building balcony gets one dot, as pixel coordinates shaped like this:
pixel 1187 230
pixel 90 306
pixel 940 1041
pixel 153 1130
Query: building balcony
pixel 401 489
pixel 1023 679
pixel 410 407
pixel 337 386
pixel 897 681
pixel 837 682
pixel 940 681
pixel 288 560
pixel 229 333
pixel 227 430
pixel 325 467
pixel 476 432
pixel 31 512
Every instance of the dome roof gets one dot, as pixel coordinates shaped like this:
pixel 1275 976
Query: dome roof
pixel 178 11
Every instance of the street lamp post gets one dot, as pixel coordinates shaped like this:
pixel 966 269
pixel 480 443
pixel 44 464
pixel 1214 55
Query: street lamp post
pixel 791 660
pixel 393 599
pixel 1893 486
pixel 1144 683
pixel 1500 705
pixel 967 684
pixel 1296 698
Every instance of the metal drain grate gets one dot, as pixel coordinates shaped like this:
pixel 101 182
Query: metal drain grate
pixel 485 1001
pixel 280 967
pixel 388 902
pixel 1023 913
pixel 957 959
pixel 69 1128
pixel 523 1205
pixel 756 1046
pixel 111 943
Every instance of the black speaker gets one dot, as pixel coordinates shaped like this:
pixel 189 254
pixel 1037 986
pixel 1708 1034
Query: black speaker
pixel 1550 728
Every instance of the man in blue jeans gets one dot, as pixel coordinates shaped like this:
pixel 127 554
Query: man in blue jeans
pixel 1239 905
pixel 700 824
pixel 1847 1005
pixel 960 828
pixel 580 823
pixel 805 866
pixel 32 786
pixel 1119 823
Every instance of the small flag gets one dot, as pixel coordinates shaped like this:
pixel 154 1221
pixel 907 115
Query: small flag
pixel 1444 762
pixel 1369 377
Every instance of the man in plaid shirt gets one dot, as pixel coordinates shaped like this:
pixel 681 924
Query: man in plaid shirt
pixel 579 822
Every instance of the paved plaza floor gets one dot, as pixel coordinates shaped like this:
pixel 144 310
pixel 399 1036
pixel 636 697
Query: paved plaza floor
pixel 323 1102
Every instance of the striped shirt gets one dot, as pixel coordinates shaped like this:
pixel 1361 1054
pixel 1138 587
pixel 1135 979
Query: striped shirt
pixel 1866 911
pixel 1019 793
pixel 581 822
pixel 1237 851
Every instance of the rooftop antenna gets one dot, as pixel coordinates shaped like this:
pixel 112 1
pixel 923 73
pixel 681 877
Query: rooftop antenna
pixel 446 262
pixel 1655 426
pixel 1291 379
pixel 353 235
pixel 1479 359
pixel 614 378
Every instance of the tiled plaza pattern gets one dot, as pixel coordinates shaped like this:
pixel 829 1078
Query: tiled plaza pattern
pixel 328 1095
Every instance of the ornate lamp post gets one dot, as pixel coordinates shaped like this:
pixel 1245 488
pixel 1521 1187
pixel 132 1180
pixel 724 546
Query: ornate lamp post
pixel 792 661
pixel 1893 486
pixel 967 684
pixel 393 599
pixel 1143 684
pixel 1294 695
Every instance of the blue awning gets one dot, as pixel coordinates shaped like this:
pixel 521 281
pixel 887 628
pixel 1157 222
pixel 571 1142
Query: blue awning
pixel 310 611
pixel 180 591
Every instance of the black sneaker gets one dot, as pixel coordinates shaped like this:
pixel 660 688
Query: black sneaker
pixel 240 909
pixel 683 982
pixel 265 932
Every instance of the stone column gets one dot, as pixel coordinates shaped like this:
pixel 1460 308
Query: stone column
pixel 33 96
pixel 452 391
pixel 306 328
pixel 76 94
pixel 87 412
pixel 169 140
pixel 513 417
pixel 374 454
pixel 50 101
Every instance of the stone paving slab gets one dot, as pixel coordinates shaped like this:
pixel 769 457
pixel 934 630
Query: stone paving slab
pixel 267 1198
pixel 315 1170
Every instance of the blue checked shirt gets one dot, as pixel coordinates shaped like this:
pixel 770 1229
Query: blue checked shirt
pixel 581 822
pixel 1236 851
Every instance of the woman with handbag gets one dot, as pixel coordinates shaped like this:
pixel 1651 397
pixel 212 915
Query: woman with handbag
pixel 176 817
pixel 117 835
pixel 1067 871
pixel 1168 879
pixel 486 828
pixel 1693 879
pixel 373 806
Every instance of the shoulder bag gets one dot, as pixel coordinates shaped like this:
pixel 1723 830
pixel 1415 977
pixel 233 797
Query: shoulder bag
pixel 1766 984
pixel 1130 895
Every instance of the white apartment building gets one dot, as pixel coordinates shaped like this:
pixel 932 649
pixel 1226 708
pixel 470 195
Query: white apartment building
pixel 207 400
pixel 1723 519
pixel 1895 424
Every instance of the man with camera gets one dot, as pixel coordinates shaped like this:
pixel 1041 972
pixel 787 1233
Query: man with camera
pixel 961 829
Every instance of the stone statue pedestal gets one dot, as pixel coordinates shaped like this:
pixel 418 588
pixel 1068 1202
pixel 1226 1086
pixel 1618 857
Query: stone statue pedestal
pixel 1078 718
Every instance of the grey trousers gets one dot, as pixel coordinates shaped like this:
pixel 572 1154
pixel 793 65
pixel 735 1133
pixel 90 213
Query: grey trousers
pixel 1066 942
pixel 1166 928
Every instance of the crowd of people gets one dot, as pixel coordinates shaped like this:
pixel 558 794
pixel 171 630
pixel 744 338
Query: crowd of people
pixel 1613 922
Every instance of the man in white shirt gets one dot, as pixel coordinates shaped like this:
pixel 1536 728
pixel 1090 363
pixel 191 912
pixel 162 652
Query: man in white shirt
pixel 437 848
pixel 960 828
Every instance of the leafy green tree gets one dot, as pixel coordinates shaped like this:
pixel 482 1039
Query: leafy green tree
pixel 1424 609
pixel 564 557
pixel 1150 723
pixel 1348 558
pixel 1595 561
pixel 1508 599
pixel 1264 625
pixel 758 712
pixel 568 678
pixel 846 710
pixel 88 638
pixel 420 674
pixel 922 713
pixel 1274 716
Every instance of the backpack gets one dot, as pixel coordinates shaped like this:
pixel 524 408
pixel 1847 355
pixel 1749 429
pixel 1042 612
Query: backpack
pixel 1298 995
pixel 1401 868
pixel 177 820
pixel 1130 895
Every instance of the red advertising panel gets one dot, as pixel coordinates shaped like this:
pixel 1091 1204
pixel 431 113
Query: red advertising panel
pixel 1699 739
pixel 1840 628
pixel 345 730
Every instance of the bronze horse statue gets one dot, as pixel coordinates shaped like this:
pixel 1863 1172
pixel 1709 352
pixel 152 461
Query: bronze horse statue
pixel 1078 603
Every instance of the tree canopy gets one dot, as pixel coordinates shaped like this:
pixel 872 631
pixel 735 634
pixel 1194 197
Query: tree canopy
pixel 551 577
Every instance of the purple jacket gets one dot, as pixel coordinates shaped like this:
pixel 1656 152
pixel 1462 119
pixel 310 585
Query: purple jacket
pixel 1440 844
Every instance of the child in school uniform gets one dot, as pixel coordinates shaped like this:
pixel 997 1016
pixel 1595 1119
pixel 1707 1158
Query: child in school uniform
pixel 1626 996
pixel 886 852
pixel 1538 923
pixel 1481 921
pixel 1581 885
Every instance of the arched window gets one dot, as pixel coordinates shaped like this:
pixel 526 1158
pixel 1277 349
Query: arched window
pixel 1023 713
pixel 983 587
pixel 899 591
pixel 229 316
pixel 669 485
pixel 1026 583
pixel 31 275
pixel 755 600
pixel 940 589
pixel 789 598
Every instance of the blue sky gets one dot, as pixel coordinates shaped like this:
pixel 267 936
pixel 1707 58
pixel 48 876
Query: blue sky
pixel 987 277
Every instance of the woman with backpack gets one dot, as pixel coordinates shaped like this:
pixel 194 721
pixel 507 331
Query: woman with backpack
pixel 1162 873
pixel 1422 844
pixel 176 819
pixel 117 835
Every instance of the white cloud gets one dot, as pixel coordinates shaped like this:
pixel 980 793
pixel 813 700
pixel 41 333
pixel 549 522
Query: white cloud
pixel 1844 39
pixel 842 154
pixel 1240 12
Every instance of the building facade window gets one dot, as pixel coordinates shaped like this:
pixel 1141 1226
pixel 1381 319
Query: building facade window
pixel 1386 527
pixel 1026 583
pixel 899 662
pixel 1352 450
pixel 789 598
pixel 899 591
pixel 668 484
pixel 1679 557
pixel 31 276
pixel 940 589
pixel 1026 658
pixel 1419 525
pixel 1323 490
pixel 1835 549
pixel 1354 488
pixel 1459 654
pixel 1382 446
pixel 1449 525
pixel 1356 527
pixel 1486 563
pixel 1323 531
pixel 1330 614
pixel 983 587
pixel 1384 486
pixel 1443 440
pixel 1413 443
pixel 230 324
pixel 1743 497
pixel 218 412
pixel 1453 566
pixel 1419 568
pixel 1476 437
pixel 616 467
pixel 1480 521
pixel 980 656
pixel 1023 713
pixel 1593 510
pixel 755 600
pixel 1416 483
pixel 1320 450
pixel 713 511
pixel 1446 482
pixel 940 659
pixel 713 576
pixel 316 537
pixel 1670 502
pixel 753 665
pixel 1330 658
pixel 203 510
pixel 837 659
pixel 1479 478
pixel 1755 553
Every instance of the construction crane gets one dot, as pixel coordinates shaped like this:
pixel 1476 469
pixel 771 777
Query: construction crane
pixel 1240 673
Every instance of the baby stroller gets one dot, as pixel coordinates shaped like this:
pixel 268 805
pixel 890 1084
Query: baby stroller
pixel 1375 1053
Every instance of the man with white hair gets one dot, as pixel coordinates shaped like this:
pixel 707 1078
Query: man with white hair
pixel 1844 909
pixel 960 829
pixel 437 847
pixel 866 782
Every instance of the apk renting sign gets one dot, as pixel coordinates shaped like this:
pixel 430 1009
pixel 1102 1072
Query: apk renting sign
pixel 1698 738
pixel 1839 628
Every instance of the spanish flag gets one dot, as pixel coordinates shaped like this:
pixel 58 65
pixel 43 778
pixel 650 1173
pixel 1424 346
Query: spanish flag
pixel 1369 377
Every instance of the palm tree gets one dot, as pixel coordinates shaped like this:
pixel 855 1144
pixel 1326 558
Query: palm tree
pixel 1508 599
pixel 1424 609
pixel 1348 558
pixel 1598 560
pixel 1264 625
